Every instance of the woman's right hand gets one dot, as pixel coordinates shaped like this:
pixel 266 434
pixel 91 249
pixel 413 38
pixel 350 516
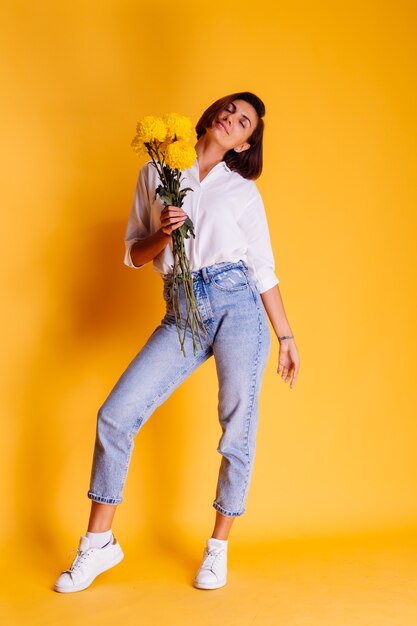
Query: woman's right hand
pixel 172 217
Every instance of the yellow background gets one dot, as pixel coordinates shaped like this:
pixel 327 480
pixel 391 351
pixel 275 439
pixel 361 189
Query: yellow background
pixel 336 455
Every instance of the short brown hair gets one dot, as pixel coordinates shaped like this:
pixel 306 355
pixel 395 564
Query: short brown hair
pixel 248 162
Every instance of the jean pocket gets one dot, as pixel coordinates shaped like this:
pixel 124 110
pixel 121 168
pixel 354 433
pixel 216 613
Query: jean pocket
pixel 232 279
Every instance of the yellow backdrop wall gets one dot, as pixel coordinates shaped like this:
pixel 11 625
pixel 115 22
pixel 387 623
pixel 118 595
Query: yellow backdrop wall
pixel 338 452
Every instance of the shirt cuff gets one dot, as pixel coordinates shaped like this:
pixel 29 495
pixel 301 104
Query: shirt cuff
pixel 128 259
pixel 264 277
pixel 267 283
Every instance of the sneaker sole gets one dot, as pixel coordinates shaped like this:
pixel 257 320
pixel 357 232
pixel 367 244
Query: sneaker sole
pixel 209 585
pixel 119 557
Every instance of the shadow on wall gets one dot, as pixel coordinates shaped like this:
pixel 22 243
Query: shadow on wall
pixel 98 316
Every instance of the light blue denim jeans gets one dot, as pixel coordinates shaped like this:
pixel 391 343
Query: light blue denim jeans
pixel 238 337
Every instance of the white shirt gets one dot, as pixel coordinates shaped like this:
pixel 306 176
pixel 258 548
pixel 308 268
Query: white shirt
pixel 228 216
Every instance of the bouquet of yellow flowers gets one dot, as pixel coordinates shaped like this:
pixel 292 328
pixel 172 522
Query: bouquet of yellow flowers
pixel 166 140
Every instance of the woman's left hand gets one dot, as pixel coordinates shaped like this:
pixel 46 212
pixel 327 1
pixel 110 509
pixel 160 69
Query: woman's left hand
pixel 288 361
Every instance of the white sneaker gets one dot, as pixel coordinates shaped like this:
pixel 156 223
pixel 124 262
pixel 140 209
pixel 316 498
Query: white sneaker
pixel 213 570
pixel 88 563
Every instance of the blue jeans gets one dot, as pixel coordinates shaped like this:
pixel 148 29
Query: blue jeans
pixel 238 337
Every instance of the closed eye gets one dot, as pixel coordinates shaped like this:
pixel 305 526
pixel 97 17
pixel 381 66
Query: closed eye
pixel 228 110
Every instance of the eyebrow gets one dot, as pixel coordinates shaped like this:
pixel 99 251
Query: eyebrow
pixel 235 107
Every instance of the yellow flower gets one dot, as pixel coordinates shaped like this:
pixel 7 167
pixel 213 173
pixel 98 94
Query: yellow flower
pixel 178 125
pixel 180 155
pixel 150 128
pixel 138 146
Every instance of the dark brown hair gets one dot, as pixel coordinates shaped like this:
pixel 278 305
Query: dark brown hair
pixel 247 163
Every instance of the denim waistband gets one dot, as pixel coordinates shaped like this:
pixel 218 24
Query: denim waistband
pixel 204 273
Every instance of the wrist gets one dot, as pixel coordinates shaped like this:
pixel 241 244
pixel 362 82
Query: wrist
pixel 164 236
pixel 286 338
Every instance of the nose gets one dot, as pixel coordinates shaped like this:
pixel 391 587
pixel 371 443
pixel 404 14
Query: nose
pixel 227 121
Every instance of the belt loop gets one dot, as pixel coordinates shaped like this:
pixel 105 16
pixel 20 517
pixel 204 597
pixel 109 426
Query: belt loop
pixel 205 275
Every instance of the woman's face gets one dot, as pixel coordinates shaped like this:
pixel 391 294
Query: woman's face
pixel 234 125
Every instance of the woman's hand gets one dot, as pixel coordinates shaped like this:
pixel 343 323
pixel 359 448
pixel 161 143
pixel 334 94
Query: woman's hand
pixel 172 217
pixel 288 361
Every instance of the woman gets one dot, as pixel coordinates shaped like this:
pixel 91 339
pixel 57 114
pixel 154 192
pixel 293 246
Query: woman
pixel 234 284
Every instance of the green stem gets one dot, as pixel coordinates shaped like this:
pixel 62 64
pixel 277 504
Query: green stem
pixel 181 268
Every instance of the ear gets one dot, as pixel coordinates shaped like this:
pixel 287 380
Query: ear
pixel 242 148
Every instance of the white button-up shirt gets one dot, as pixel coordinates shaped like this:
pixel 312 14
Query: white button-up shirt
pixel 228 216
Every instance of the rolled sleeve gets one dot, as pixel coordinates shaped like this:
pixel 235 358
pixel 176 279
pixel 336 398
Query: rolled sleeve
pixel 260 257
pixel 138 226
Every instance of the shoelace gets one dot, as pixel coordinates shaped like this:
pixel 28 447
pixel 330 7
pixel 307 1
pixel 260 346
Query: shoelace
pixel 210 556
pixel 78 560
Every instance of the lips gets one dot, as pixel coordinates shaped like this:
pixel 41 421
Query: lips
pixel 223 126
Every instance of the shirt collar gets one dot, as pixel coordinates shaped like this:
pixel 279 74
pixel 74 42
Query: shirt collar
pixel 225 166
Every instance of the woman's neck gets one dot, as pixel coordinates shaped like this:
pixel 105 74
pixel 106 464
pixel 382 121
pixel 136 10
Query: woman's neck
pixel 208 153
